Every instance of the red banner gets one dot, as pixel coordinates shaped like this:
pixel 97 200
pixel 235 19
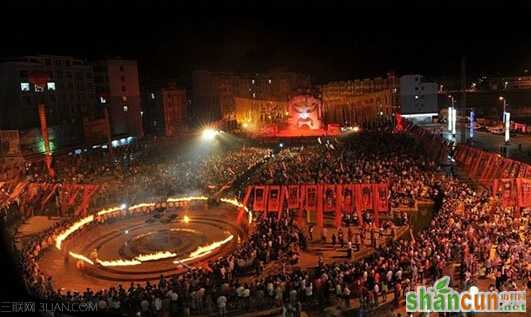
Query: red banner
pixel 504 189
pixel 365 199
pixel 506 168
pixel 302 201
pixel 260 198
pixel 320 203
pixel 496 168
pixel 330 196
pixel 479 165
pixel 381 195
pixel 523 188
pixel 293 196
pixel 311 197
pixel 273 203
pixel 348 193
pixel 483 174
pixel 515 169
pixel 339 204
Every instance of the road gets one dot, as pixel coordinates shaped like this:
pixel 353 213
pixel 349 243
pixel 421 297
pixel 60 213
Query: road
pixel 519 147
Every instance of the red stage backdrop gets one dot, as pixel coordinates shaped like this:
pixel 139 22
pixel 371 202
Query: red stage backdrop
pixel 304 113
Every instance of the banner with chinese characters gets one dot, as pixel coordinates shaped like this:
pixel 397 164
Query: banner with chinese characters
pixel 505 190
pixel 523 188
pixel 273 203
pixel 381 197
pixel 293 196
pixel 260 198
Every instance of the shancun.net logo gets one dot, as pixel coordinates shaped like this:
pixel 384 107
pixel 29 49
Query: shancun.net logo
pixel 441 298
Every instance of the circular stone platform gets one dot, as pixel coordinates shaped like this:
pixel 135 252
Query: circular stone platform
pixel 129 237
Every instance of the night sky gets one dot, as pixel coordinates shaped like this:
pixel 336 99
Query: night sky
pixel 328 47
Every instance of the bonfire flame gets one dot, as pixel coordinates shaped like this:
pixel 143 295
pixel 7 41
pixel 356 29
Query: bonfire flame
pixel 199 252
pixel 119 262
pixel 202 251
pixel 74 227
pixel 81 257
pixel 155 256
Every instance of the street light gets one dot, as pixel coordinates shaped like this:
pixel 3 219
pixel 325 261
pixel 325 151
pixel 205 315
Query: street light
pixel 452 116
pixel 506 120
pixel 501 98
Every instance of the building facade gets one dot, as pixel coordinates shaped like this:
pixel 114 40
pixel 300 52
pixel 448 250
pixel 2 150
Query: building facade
pixel 117 88
pixel 359 101
pixel 214 93
pixel 165 109
pixel 69 95
pixel 418 98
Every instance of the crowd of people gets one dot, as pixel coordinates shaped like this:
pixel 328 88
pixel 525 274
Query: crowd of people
pixel 142 171
pixel 375 158
pixel 468 230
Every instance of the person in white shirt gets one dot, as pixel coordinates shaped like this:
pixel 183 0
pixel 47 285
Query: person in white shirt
pixel 222 305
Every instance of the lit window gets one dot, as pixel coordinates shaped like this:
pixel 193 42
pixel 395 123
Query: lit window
pixel 269 81
pixel 125 108
pixel 51 86
pixel 252 81
pixel 39 88
pixel 24 86
pixel 141 113
pixel 152 96
pixel 102 100
pixel 254 95
pixel 124 98
pixel 416 97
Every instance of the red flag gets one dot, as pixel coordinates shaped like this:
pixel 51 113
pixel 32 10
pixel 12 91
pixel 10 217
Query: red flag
pixel 85 201
pixel 50 189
